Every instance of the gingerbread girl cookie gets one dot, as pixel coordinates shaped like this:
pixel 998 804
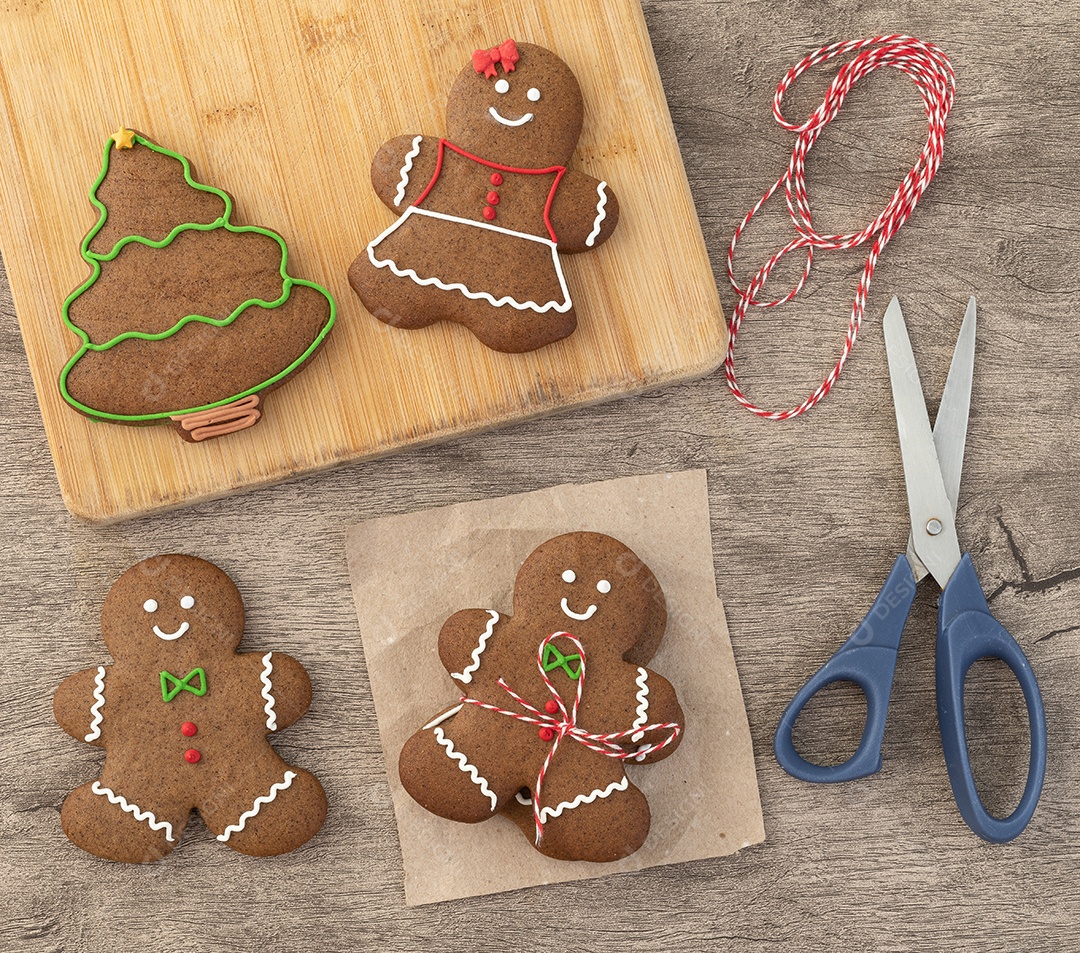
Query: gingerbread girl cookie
pixel 556 702
pixel 487 211
pixel 183 720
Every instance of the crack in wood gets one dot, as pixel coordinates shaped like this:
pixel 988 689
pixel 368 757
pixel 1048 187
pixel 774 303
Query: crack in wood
pixel 1050 635
pixel 1028 583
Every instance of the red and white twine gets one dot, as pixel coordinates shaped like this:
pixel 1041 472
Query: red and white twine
pixel 932 73
pixel 563 723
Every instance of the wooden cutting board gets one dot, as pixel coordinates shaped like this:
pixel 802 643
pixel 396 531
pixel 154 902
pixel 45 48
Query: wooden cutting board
pixel 283 104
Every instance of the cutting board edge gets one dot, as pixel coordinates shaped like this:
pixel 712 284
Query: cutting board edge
pixel 99 516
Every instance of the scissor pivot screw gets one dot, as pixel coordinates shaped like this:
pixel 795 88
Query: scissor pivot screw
pixel 934 527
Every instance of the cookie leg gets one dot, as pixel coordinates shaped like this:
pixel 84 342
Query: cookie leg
pixel 589 808
pixel 510 331
pixel 442 768
pixel 394 300
pixel 105 822
pixel 274 813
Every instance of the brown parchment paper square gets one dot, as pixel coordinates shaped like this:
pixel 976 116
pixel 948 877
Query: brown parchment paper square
pixel 409 573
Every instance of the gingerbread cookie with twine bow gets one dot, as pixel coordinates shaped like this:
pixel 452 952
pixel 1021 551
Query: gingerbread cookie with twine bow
pixel 487 211
pixel 183 720
pixel 556 703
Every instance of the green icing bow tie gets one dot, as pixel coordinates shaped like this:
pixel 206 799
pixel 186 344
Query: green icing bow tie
pixel 554 659
pixel 171 686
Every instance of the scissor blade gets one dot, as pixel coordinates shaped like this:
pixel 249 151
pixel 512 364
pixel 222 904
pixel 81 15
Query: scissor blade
pixel 950 428
pixel 933 524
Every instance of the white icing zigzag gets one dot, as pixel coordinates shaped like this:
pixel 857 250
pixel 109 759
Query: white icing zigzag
pixel 469 769
pixel 601 214
pixel 134 810
pixel 406 169
pixel 271 715
pixel 257 806
pixel 562 307
pixel 95 709
pixel 547 813
pixel 643 705
pixel 466 674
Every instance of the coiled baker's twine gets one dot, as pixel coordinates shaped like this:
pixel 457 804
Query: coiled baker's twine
pixel 932 73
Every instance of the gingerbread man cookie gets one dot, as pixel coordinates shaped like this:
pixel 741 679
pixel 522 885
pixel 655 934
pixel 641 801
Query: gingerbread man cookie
pixel 487 211
pixel 183 720
pixel 556 703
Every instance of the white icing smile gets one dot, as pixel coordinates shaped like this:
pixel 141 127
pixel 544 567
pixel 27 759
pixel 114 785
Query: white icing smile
pixel 580 616
pixel 186 602
pixel 528 117
pixel 172 636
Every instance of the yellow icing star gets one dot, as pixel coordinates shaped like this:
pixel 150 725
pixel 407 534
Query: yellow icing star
pixel 123 138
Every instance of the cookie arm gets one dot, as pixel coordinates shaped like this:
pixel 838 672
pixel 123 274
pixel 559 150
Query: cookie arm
pixel 402 169
pixel 462 641
pixel 284 689
pixel 584 213
pixel 655 703
pixel 79 704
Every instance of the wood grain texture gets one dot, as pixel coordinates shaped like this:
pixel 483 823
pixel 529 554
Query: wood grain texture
pixel 807 520
pixel 284 105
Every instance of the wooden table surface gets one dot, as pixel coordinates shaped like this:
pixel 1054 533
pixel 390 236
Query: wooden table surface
pixel 807 518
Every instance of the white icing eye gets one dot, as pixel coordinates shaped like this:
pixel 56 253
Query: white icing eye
pixel 187 602
pixel 502 86
pixel 603 586
pixel 150 605
pixel 569 575
pixel 533 94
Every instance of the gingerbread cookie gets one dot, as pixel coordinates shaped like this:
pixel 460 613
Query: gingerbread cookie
pixel 487 211
pixel 186 317
pixel 556 702
pixel 183 720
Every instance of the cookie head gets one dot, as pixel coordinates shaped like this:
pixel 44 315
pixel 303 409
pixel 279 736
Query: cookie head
pixel 597 589
pixel 169 603
pixel 516 104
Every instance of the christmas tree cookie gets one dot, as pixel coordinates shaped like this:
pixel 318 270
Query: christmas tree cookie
pixel 186 317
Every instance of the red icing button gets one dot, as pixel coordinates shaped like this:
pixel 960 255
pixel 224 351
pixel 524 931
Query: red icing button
pixel 489 213
pixel 547 734
pixel 496 179
pixel 188 729
pixel 493 198
pixel 551 707
pixel 192 756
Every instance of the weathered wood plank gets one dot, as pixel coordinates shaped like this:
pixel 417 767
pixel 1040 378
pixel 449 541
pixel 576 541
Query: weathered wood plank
pixel 807 519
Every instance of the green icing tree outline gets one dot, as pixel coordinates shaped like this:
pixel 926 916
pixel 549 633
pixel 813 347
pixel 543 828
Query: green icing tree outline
pixel 94 260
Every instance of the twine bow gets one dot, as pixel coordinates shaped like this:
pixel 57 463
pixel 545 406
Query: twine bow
pixel 560 722
pixel 484 61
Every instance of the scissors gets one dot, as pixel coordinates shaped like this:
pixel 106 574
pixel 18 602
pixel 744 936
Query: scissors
pixel 966 630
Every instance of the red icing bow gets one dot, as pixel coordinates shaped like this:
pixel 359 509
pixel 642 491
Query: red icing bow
pixel 484 61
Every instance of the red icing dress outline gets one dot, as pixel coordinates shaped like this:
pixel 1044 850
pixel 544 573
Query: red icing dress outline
pixel 543 250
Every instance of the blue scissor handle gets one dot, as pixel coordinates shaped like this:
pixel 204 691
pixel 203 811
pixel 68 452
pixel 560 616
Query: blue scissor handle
pixel 868 659
pixel 966 633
